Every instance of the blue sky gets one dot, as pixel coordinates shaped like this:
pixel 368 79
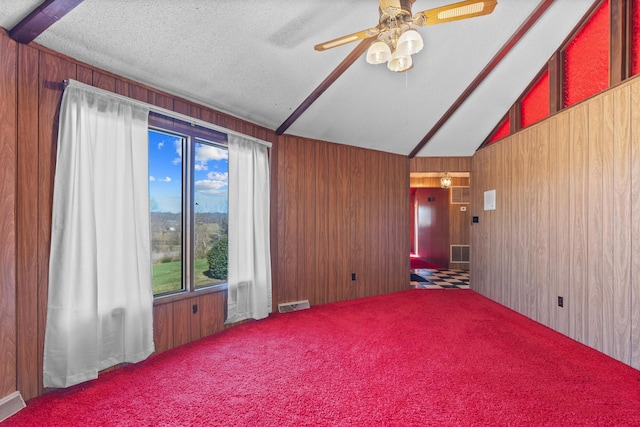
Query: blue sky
pixel 211 178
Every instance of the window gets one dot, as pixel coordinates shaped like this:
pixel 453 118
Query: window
pixel 635 37
pixel 188 201
pixel 502 131
pixel 535 104
pixel 586 59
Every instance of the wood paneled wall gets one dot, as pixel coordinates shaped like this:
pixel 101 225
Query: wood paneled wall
pixel 440 164
pixel 567 222
pixel 335 210
pixel 341 211
pixel 39 90
pixel 433 182
pixel 8 161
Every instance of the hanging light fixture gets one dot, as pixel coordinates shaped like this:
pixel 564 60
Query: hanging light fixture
pixel 395 46
pixel 445 181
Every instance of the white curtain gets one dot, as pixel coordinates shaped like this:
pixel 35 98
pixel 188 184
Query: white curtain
pixel 100 295
pixel 249 295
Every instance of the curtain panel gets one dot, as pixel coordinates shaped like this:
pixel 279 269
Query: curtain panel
pixel 249 273
pixel 100 301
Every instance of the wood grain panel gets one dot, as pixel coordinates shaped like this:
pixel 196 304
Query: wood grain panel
pixel 373 239
pixel 608 217
pixel 84 75
pixel 53 71
pixel 160 100
pixel 553 222
pixel 459 221
pixel 491 226
pixel 474 207
pixel 485 221
pixel 440 164
pixel 341 222
pixel 520 274
pixel 503 218
pixel 139 93
pixel 322 240
pixel 122 87
pixel 473 235
pixel 622 223
pixel 578 205
pixel 309 262
pixel 333 226
pixel 635 224
pixel 103 81
pixel 27 220
pixel 563 218
pixel 433 182
pixel 195 324
pixel 595 242
pixel 181 322
pixel 299 290
pixel 402 214
pixel 528 210
pixel 540 263
pixel 357 203
pixel 8 174
pixel 163 327
pixel 181 106
pixel 399 212
pixel 213 314
pixel 481 261
pixel 289 160
pixel 383 230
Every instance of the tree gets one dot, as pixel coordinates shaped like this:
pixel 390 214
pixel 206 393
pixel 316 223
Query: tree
pixel 218 258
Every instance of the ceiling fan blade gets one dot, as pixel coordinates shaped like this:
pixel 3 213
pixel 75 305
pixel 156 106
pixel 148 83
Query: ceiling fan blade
pixel 454 12
pixel 360 35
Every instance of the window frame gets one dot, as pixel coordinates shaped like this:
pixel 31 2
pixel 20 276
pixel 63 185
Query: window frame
pixel 193 134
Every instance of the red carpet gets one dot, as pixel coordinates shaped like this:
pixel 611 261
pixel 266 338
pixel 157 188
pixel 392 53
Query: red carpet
pixel 420 263
pixel 412 358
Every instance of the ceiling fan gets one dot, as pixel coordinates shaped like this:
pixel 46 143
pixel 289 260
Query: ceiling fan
pixel 397 38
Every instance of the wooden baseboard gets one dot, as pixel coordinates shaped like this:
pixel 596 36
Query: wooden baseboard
pixel 10 405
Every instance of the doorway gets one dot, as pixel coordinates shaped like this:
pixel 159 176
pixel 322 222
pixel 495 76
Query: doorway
pixel 430 242
pixel 440 222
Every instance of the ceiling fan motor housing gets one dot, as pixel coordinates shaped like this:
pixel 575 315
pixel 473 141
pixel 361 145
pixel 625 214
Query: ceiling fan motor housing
pixel 401 13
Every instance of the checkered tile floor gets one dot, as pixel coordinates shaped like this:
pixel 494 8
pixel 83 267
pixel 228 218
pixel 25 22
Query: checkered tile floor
pixel 439 279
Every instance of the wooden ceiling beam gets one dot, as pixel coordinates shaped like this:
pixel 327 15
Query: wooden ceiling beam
pixel 41 18
pixel 515 38
pixel 326 83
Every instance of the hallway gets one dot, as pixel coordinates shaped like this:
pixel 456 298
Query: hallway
pixel 439 279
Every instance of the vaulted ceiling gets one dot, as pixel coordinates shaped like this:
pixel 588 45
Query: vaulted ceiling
pixel 255 60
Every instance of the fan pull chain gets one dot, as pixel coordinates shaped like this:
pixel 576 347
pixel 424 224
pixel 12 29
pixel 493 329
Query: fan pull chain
pixel 406 92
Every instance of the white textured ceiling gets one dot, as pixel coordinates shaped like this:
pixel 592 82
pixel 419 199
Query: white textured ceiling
pixel 255 59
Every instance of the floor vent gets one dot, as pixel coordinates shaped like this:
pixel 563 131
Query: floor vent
pixel 10 405
pixel 459 253
pixel 293 306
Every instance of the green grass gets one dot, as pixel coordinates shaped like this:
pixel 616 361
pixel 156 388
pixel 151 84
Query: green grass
pixel 167 277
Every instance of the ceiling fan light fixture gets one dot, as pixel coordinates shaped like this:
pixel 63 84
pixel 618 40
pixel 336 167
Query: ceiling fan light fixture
pixel 399 63
pixel 409 43
pixel 378 53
